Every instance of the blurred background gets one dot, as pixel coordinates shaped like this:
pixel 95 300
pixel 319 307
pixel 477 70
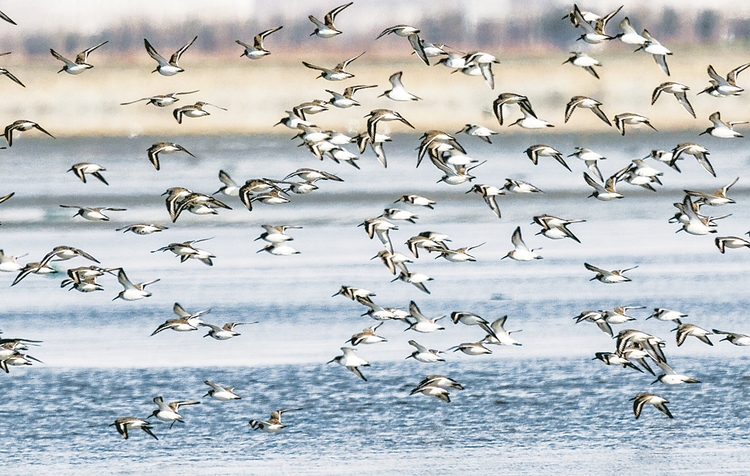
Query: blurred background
pixel 530 38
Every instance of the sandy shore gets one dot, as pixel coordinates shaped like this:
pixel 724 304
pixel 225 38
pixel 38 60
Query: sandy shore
pixel 256 93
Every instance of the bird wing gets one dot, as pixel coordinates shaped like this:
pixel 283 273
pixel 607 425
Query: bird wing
pixel 330 16
pixel 83 56
pixel 176 56
pixel 153 53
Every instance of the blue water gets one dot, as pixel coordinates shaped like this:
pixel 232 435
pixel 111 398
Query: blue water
pixel 543 408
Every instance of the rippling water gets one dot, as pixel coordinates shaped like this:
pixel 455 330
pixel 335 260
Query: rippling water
pixel 543 408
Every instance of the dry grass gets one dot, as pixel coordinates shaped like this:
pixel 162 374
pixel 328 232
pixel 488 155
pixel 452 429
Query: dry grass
pixel 257 93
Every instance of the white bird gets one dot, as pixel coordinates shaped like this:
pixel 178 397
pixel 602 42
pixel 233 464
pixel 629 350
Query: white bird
pixel 609 277
pixel 220 393
pixel 649 398
pixel 584 61
pixel 398 92
pixel 351 361
pixel 521 252
pixel 721 129
pixel 423 354
pixel 132 292
pixel 325 28
pixel 171 67
pixel 670 377
pixel 500 336
pixel 81 62
pixel 257 50
pixel 170 412
pixel 422 323
pixel 656 49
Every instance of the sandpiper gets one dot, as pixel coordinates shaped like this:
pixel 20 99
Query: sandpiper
pixel 171 67
pixel 499 335
pixel 337 73
pixel 9 263
pixel 423 354
pixel 170 412
pixel 629 35
pixel 345 100
pixel 629 118
pixel 521 252
pixel 142 228
pixel 609 277
pixel 93 213
pixel 186 250
pixel 351 361
pixel 325 28
pixel 670 377
pixel 224 332
pixel 410 33
pixel 607 192
pixel 164 148
pixel 459 255
pixel 377 115
pixel 80 64
pixel 715 199
pixel 667 315
pixel 510 98
pixel 530 121
pixel 734 337
pixel 733 242
pixel 542 150
pixel 657 50
pixel 696 150
pixel 685 330
pixel 612 358
pixel 588 103
pixel 556 228
pixel 519 186
pixel 398 92
pixel 721 129
pixel 417 279
pixel 367 336
pixel 193 110
pixel 131 291
pixel 160 100
pixel 83 168
pixel 393 260
pixel 476 130
pixel 724 87
pixel 471 348
pixel 679 91
pixel 220 393
pixel 124 424
pixel 414 199
pixel 643 398
pixel 22 125
pixel 274 423
pixel 257 50
pixel 185 321
pixel 692 222
pixel 422 323
pixel 584 61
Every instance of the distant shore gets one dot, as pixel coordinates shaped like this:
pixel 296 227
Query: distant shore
pixel 257 93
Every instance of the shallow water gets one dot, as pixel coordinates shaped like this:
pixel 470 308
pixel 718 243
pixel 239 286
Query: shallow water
pixel 541 408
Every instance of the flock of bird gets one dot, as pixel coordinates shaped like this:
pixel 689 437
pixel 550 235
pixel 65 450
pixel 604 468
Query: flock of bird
pixel 634 349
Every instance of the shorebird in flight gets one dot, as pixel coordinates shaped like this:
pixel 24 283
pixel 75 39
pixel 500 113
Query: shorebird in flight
pixel 325 28
pixel 161 100
pixel 171 67
pixel 256 50
pixel 81 62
